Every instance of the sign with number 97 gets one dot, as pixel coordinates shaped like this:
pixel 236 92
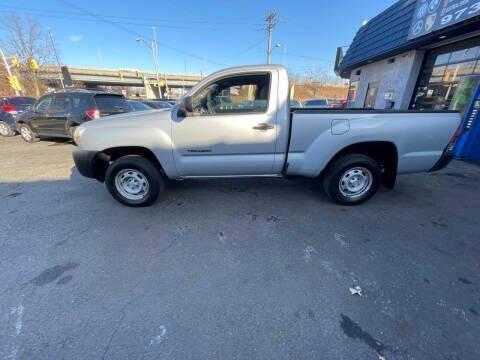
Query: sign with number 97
pixel 441 15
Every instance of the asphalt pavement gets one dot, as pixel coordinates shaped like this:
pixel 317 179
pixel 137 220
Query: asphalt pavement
pixel 234 269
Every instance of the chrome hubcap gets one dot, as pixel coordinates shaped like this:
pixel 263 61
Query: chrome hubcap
pixel 132 184
pixel 3 129
pixel 26 133
pixel 356 182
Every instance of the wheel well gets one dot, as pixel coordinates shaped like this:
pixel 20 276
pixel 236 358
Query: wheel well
pixel 383 152
pixel 105 157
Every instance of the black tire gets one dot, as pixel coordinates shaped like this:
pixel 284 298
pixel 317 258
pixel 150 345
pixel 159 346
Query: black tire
pixel 27 134
pixel 141 169
pixel 364 172
pixel 5 130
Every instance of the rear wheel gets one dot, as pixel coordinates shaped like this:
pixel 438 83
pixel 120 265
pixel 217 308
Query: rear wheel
pixel 27 134
pixel 5 129
pixel 134 181
pixel 352 179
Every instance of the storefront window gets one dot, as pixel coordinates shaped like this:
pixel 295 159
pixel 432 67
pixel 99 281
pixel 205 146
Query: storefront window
pixel 442 59
pixel 449 77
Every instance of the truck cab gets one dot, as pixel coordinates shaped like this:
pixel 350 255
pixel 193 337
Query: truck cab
pixel 235 124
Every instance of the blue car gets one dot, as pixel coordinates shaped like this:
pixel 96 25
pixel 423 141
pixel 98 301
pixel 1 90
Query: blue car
pixel 7 124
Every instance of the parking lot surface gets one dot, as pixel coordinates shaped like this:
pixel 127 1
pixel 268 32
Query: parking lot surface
pixel 234 269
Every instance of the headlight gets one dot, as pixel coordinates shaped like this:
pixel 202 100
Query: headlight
pixel 78 134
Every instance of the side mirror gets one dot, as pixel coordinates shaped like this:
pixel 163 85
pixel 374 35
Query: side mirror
pixel 185 106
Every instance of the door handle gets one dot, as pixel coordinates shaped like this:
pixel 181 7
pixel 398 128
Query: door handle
pixel 263 127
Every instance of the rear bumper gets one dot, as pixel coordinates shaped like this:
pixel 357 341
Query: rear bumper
pixel 444 160
pixel 85 162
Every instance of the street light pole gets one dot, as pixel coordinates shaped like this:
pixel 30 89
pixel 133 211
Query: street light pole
pixel 156 60
pixel 151 46
pixel 50 36
pixel 7 66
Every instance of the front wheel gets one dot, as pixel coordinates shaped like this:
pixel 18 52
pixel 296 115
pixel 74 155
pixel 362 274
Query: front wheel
pixel 134 181
pixel 27 134
pixel 352 179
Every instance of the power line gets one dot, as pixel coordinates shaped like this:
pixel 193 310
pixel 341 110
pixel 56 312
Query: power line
pixel 306 57
pixel 251 47
pixel 48 11
pixel 136 34
pixel 62 17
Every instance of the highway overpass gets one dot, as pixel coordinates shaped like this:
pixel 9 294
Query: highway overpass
pixel 92 78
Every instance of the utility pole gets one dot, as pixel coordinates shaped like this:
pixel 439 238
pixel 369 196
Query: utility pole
pixel 156 61
pixel 271 20
pixel 9 72
pixel 50 36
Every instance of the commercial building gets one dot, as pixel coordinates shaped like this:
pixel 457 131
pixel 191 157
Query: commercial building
pixel 419 54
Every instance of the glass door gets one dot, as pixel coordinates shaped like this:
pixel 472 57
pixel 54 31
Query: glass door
pixel 371 97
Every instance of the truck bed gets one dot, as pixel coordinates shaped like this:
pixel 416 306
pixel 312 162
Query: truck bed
pixel 420 137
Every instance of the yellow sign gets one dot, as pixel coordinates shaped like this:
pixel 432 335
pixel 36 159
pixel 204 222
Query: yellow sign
pixel 33 65
pixel 15 62
pixel 14 83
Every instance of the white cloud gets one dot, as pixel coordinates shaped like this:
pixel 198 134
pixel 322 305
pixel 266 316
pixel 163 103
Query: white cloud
pixel 75 38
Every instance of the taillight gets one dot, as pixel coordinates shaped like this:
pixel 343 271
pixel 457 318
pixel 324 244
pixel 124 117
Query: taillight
pixel 453 140
pixel 92 114
pixel 9 109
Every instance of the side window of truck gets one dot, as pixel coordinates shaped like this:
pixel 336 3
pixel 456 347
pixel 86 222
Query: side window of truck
pixel 244 94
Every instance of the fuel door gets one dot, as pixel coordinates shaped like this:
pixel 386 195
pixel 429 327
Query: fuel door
pixel 340 126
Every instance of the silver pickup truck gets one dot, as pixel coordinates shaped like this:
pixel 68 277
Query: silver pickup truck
pixel 238 123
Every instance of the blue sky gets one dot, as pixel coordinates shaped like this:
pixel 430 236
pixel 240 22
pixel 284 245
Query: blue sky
pixel 201 35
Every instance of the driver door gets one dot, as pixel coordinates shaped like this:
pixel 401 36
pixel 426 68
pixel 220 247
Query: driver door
pixel 232 129
pixel 39 120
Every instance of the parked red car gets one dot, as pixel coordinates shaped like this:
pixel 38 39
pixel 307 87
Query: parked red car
pixel 338 104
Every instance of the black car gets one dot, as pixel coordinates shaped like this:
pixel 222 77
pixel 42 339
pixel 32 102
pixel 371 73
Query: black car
pixel 58 114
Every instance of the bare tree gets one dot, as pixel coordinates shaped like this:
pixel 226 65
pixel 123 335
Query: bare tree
pixel 25 39
pixel 294 77
pixel 315 79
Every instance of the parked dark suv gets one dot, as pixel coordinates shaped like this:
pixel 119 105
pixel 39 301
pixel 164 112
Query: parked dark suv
pixel 58 114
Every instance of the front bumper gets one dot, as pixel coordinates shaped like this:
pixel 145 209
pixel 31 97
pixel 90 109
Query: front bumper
pixel 85 162
pixel 444 160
